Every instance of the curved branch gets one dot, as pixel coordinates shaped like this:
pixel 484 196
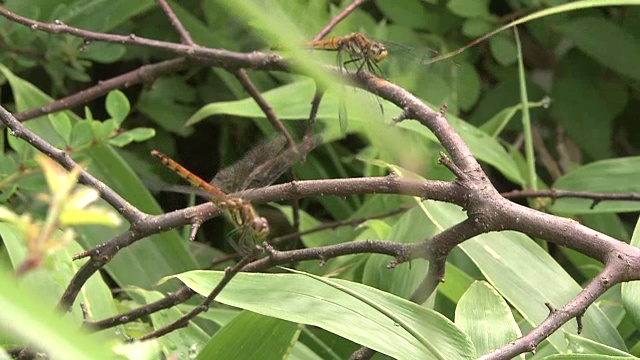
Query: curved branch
pixel 144 74
pixel 615 272
pixel 122 206
pixel 153 224
pixel 219 57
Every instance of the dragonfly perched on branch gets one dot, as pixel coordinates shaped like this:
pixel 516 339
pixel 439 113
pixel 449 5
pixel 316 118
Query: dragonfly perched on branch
pixel 240 211
pixel 409 63
pixel 361 51
pixel 262 165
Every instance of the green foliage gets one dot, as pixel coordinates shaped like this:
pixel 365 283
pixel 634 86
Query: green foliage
pixel 497 327
pixel 342 307
pixel 58 336
pixel 580 77
pixel 269 338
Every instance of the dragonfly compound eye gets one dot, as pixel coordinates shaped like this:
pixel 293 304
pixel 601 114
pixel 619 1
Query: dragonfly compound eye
pixel 378 52
pixel 261 227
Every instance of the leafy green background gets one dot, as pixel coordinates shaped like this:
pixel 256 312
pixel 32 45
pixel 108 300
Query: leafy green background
pixel 581 75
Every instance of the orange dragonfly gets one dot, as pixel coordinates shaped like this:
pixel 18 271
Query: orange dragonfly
pixel 358 47
pixel 361 51
pixel 240 211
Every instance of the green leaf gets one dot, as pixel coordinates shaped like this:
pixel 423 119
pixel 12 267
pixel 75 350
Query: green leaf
pixel 7 192
pixel 106 129
pixel 184 343
pixel 412 13
pixel 290 296
pixel 105 53
pixel 503 49
pixel 27 96
pixel 404 279
pixel 93 14
pixel 121 140
pixel 497 123
pixel 150 259
pixel 62 125
pixel 137 135
pixel 620 175
pixel 606 42
pixel 8 165
pixel 482 145
pixel 579 105
pixel 520 270
pixel 81 134
pixel 291 102
pixel 581 345
pixel 117 106
pixel 422 15
pixel 469 8
pixel 631 290
pixel 167 103
pixel 468 85
pixel 287 101
pixel 44 328
pixel 252 336
pixel 476 27
pixel 485 316
pixel 54 275
pixel 456 282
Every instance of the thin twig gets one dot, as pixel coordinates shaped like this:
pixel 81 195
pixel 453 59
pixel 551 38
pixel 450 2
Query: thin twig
pixel 399 251
pixel 218 57
pixel 242 76
pixel 185 37
pixel 122 206
pixel 204 306
pixel 313 114
pixel 337 224
pixel 336 19
pixel 170 300
pixel 559 194
pixel 144 74
pixel 102 254
pixel 543 153
pixel 444 160
pixel 612 274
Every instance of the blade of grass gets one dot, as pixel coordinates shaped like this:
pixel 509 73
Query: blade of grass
pixel 577 5
pixel 526 118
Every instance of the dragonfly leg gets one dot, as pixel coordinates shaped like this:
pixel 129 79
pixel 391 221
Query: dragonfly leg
pixel 352 60
pixel 373 67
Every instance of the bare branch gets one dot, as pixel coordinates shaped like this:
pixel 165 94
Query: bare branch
pixel 242 76
pixel 336 19
pixel 204 306
pixel 559 194
pixel 612 274
pixel 144 74
pixel 218 57
pixel 128 211
pixel 185 37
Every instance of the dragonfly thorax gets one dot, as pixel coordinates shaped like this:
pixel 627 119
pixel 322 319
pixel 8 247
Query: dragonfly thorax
pixel 358 45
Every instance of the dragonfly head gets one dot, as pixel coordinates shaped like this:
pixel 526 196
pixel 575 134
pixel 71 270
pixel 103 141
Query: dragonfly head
pixel 260 226
pixel 377 52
